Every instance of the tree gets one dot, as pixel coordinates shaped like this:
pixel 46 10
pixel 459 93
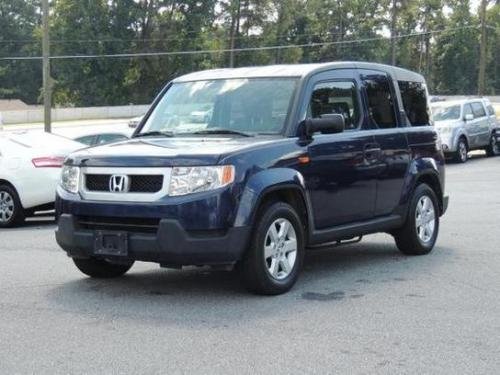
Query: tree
pixel 457 52
pixel 18 22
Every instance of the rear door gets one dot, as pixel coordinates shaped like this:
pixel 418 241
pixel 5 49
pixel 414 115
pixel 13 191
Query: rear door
pixel 391 142
pixel 482 124
pixel 340 178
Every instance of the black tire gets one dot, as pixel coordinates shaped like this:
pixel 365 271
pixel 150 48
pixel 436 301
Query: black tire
pixel 493 148
pixel 461 155
pixel 16 217
pixel 407 238
pixel 254 266
pixel 101 268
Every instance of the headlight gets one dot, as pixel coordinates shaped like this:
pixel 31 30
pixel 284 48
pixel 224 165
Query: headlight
pixel 70 177
pixel 187 180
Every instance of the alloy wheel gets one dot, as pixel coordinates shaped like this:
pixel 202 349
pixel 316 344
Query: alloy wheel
pixel 6 207
pixel 462 149
pixel 280 249
pixel 495 147
pixel 425 219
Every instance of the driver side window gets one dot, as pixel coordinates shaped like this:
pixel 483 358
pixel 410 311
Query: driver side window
pixel 335 98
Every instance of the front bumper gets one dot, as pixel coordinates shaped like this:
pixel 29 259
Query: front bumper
pixel 171 245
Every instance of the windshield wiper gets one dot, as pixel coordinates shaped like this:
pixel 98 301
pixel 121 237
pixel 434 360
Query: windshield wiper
pixel 155 133
pixel 219 131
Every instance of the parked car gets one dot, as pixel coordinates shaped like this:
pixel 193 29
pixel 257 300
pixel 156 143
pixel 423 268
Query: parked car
pixel 101 138
pixel 291 158
pixel 30 168
pixel 466 125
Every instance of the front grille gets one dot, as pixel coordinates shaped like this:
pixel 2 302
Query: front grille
pixel 146 183
pixel 138 183
pixel 97 182
pixel 127 224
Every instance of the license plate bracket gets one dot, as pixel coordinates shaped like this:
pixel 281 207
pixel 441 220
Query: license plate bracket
pixel 111 243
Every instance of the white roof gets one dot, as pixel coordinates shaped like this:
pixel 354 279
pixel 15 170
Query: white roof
pixel 295 70
pixel 449 103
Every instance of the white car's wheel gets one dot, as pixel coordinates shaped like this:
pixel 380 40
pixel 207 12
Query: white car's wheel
pixel 461 155
pixel 11 210
pixel 493 148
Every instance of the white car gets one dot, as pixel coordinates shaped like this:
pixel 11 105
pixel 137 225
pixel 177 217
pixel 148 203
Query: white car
pixel 466 125
pixel 30 168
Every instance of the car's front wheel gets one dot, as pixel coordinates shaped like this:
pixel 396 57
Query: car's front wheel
pixel 101 268
pixel 11 210
pixel 418 235
pixel 462 153
pixel 274 258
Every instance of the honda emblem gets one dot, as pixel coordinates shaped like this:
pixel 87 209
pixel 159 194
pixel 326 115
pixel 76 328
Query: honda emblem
pixel 118 183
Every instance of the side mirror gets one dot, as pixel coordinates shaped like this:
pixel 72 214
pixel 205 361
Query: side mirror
pixel 468 117
pixel 326 124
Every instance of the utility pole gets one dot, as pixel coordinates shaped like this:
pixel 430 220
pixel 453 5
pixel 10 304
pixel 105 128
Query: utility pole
pixel 235 29
pixel 394 14
pixel 47 82
pixel 481 89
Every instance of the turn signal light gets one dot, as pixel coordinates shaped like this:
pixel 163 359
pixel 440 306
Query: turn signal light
pixel 48 162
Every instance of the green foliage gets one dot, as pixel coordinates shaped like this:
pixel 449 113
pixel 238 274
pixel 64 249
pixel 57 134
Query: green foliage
pixel 346 30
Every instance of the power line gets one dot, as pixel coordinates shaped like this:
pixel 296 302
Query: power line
pixel 247 49
pixel 144 40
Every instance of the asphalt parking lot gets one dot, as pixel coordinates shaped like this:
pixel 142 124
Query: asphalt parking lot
pixel 363 308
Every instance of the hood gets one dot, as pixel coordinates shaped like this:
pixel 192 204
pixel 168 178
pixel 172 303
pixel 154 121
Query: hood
pixel 447 123
pixel 156 152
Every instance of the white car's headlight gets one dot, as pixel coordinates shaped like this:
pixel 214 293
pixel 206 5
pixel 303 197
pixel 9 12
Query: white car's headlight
pixel 187 180
pixel 70 178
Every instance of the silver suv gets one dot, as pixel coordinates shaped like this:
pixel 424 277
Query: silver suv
pixel 467 125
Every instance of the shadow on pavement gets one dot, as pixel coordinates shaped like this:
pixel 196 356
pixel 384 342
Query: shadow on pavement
pixel 37 222
pixel 201 294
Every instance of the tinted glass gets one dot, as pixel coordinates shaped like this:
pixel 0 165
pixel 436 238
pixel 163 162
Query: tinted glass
pixel 414 97
pixel 257 105
pixel 468 110
pixel 87 140
pixel 380 102
pixel 335 97
pixel 478 110
pixel 491 110
pixel 109 138
pixel 443 113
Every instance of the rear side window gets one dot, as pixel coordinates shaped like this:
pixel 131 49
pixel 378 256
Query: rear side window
pixel 109 138
pixel 335 97
pixel 478 110
pixel 380 101
pixel 86 140
pixel 414 97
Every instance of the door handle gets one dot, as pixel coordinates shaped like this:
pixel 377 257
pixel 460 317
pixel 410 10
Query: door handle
pixel 372 151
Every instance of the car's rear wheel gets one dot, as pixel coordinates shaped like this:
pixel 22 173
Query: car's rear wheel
pixel 274 258
pixel 418 235
pixel 493 148
pixel 461 155
pixel 11 210
pixel 101 268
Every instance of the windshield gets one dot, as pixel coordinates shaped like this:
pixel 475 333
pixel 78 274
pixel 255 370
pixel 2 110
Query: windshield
pixel 446 113
pixel 258 105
